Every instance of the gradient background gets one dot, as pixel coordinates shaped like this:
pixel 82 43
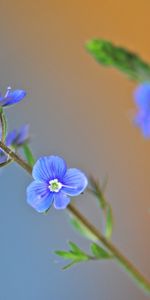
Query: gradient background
pixel 83 112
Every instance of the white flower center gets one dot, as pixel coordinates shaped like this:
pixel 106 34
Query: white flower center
pixel 55 185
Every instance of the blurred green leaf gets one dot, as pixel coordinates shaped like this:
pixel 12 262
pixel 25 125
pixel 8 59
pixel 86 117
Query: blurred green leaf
pixel 75 249
pixel 99 252
pixel 69 265
pixel 97 191
pixel 28 154
pixel 78 226
pixel 109 222
pixel 107 54
pixel 75 254
pixel 66 254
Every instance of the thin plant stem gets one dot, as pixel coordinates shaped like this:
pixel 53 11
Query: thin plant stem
pixel 16 158
pixel 132 271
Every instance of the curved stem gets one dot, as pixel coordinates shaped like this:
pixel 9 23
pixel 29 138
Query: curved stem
pixel 3 124
pixel 120 258
pixel 16 158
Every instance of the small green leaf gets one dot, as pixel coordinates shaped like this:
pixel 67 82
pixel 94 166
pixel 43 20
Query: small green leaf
pixel 109 222
pixel 107 54
pixel 28 154
pixel 78 226
pixel 74 247
pixel 66 255
pixel 81 255
pixel 99 252
pixel 97 191
pixel 69 265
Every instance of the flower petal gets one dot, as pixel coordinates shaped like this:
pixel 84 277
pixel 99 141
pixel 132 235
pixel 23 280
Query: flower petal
pixel 12 98
pixel 74 182
pixel 61 200
pixel 10 138
pixel 143 122
pixel 49 167
pixel 39 196
pixel 23 134
pixel 142 96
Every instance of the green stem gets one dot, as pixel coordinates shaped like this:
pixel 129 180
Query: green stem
pixel 134 273
pixel 3 125
pixel 121 259
pixel 16 158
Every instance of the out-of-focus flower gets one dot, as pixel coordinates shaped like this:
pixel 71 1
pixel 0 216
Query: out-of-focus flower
pixel 142 101
pixel 17 137
pixel 53 183
pixel 11 97
pixel 14 139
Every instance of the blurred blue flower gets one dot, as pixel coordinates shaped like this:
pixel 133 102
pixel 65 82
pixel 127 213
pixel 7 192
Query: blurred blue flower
pixel 15 139
pixel 142 101
pixel 11 97
pixel 54 183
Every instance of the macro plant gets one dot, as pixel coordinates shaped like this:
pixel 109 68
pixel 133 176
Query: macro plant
pixel 54 183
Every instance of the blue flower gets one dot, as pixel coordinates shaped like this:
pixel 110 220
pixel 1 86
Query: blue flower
pixel 142 101
pixel 14 139
pixel 11 97
pixel 18 137
pixel 53 183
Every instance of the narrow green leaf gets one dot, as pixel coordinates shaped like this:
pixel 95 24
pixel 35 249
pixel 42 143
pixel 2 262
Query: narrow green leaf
pixel 109 222
pixel 81 255
pixel 66 255
pixel 99 252
pixel 78 226
pixel 97 191
pixel 75 248
pixel 69 265
pixel 107 54
pixel 28 154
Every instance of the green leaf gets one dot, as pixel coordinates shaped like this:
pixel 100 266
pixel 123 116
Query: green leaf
pixel 78 226
pixel 69 265
pixel 97 191
pixel 75 253
pixel 81 255
pixel 104 205
pixel 109 222
pixel 66 255
pixel 75 248
pixel 28 154
pixel 99 252
pixel 107 54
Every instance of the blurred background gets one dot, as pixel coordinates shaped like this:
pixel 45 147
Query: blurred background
pixel 83 112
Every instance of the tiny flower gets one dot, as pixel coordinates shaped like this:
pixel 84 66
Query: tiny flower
pixel 15 139
pixel 11 97
pixel 18 137
pixel 53 183
pixel 142 101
